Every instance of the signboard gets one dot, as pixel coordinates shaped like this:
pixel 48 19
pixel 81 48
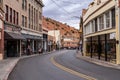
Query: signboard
pixel 112 36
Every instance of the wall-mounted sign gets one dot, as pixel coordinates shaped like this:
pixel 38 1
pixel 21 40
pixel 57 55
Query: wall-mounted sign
pixel 112 36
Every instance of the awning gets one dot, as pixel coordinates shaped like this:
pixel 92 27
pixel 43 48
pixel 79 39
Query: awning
pixel 27 36
pixel 11 35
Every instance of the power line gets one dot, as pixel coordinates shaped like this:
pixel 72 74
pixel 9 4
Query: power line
pixel 63 9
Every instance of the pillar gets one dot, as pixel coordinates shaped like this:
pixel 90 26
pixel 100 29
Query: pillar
pixel 105 47
pixel 117 34
pixel 20 48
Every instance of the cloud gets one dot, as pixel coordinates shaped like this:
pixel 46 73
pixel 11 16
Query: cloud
pixel 65 10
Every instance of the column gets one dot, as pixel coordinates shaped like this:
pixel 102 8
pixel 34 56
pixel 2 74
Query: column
pixel 105 47
pixel 99 47
pixel 20 48
pixel 91 47
pixel 117 33
pixel 33 46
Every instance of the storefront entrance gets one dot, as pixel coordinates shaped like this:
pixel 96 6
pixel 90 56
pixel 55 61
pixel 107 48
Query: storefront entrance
pixel 102 47
pixel 11 49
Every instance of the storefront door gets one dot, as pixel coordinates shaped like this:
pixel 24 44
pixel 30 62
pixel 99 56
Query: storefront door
pixel 11 48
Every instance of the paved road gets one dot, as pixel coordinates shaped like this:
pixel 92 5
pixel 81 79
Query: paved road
pixel 42 68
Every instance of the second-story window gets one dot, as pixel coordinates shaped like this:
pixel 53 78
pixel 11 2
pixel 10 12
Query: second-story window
pixel 6 14
pixel 101 22
pixel 22 20
pixel 17 17
pixel 113 17
pixel 11 15
pixel 107 19
pixel 14 16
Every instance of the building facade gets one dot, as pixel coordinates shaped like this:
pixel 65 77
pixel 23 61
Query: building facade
pixel 23 26
pixel 67 37
pixel 100 30
pixel 1 30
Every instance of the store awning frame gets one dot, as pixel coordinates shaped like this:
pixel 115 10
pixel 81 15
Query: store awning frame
pixel 13 36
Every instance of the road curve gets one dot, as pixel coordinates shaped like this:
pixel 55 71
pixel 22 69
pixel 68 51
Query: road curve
pixel 40 68
pixel 61 65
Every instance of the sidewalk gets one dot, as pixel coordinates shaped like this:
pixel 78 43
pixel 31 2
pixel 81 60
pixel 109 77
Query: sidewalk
pixel 7 65
pixel 98 62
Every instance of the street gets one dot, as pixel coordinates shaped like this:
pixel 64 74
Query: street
pixel 43 68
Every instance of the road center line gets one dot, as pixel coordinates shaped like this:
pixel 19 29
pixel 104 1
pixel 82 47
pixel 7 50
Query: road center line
pixel 70 70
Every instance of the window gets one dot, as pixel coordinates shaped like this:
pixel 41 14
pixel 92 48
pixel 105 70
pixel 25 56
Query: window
pixel 24 4
pixel 40 15
pixel 25 21
pixel 14 16
pixel 40 27
pixel 17 17
pixel 107 17
pixel 6 14
pixel 113 18
pixel 96 27
pixel 22 20
pixel 101 22
pixel 11 15
pixel 29 15
pixel 93 26
pixel 1 1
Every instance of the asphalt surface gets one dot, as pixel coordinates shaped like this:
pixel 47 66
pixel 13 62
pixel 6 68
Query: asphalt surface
pixel 41 68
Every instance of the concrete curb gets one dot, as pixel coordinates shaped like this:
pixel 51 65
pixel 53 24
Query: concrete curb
pixel 98 62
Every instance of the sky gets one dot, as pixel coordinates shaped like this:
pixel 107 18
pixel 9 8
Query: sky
pixel 65 11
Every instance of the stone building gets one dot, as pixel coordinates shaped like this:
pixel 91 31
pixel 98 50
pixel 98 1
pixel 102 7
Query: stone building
pixel 101 30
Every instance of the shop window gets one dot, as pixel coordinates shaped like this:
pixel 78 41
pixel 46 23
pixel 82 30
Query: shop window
pixel 113 18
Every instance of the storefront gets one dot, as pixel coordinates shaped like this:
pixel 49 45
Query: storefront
pixel 102 46
pixel 12 41
pixel 32 42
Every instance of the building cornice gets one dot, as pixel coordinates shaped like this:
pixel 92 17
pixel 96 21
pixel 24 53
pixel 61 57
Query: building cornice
pixel 40 2
pixel 97 10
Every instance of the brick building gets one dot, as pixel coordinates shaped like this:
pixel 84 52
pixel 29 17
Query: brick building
pixel 23 26
pixel 1 31
pixel 69 36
